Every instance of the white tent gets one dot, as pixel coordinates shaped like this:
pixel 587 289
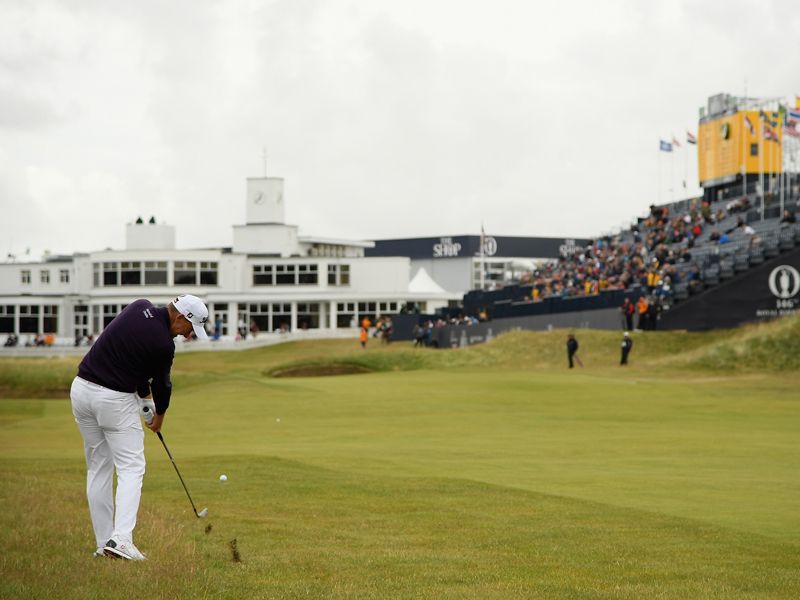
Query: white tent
pixel 422 283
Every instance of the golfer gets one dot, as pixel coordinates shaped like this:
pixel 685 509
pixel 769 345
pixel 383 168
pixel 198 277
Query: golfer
pixel 127 368
pixel 572 349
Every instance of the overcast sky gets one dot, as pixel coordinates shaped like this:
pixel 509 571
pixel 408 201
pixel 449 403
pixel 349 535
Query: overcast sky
pixel 386 119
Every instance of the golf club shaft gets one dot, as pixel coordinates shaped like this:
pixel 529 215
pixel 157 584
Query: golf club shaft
pixel 163 443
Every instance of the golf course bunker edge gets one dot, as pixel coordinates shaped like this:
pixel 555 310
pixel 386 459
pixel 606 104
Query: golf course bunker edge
pixel 319 370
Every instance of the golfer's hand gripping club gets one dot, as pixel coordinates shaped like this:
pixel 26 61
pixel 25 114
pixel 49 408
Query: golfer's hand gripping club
pixel 153 420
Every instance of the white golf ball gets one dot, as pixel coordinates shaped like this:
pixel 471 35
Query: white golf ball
pixel 278 420
pixel 223 477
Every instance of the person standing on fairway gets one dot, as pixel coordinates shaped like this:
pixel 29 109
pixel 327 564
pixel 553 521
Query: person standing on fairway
pixel 627 344
pixel 572 348
pixel 127 368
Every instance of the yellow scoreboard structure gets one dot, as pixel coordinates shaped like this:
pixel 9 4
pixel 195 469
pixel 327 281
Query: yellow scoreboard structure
pixel 742 142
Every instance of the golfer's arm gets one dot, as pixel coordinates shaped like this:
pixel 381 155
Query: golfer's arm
pixel 162 387
pixel 162 390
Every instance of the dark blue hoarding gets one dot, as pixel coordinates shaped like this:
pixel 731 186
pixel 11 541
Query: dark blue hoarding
pixel 462 246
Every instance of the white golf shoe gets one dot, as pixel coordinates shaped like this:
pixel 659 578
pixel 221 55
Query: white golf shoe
pixel 121 549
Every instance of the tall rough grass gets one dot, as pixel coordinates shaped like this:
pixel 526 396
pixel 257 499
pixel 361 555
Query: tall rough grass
pixel 772 346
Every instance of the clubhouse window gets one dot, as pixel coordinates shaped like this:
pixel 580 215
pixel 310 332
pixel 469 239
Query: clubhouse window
pixel 367 309
pixel 220 312
pixel 308 315
pixel 110 273
pixel 263 275
pixel 29 318
pixel 281 316
pixel 338 274
pixel 131 273
pixel 7 312
pixel 208 273
pixel 307 274
pixel 185 272
pixel 50 318
pixel 285 274
pixel 155 273
pixel 346 314
pixel 259 313
pixel 388 308
pixel 268 316
pixel 128 273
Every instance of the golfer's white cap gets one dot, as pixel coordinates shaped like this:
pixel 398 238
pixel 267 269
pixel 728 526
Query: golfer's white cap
pixel 195 312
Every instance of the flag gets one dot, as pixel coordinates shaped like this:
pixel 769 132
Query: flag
pixel 690 139
pixel 766 118
pixel 675 142
pixel 791 131
pixel 769 134
pixel 749 124
pixel 793 115
pixel 664 146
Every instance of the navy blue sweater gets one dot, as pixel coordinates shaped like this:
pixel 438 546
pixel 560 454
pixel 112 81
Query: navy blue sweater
pixel 134 354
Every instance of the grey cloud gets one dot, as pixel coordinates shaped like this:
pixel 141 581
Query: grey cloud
pixel 20 112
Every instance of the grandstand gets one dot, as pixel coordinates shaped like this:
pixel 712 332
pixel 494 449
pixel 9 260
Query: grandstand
pixel 702 262
pixel 686 265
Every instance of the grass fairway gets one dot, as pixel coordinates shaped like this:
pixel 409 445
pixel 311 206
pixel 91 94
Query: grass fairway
pixel 489 472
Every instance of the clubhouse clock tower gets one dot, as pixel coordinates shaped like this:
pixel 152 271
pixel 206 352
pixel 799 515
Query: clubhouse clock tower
pixel 265 231
pixel 265 200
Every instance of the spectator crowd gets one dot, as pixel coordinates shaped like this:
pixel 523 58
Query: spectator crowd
pixel 647 256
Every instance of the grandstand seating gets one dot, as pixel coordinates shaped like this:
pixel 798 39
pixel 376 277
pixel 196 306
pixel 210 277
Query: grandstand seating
pixel 691 267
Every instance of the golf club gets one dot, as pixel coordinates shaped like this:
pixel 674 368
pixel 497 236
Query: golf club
pixel 203 512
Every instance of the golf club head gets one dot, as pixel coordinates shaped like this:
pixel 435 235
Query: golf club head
pixel 202 513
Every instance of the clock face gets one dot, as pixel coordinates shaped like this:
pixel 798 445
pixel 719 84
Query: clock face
pixel 258 198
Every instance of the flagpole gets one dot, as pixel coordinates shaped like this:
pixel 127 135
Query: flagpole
pixel 672 171
pixel 745 139
pixel 771 170
pixel 744 150
pixel 482 266
pixel 761 160
pixel 659 173
pixel 781 165
pixel 772 165
pixel 686 169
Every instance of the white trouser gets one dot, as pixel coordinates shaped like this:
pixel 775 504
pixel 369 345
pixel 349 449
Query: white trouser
pixel 112 437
